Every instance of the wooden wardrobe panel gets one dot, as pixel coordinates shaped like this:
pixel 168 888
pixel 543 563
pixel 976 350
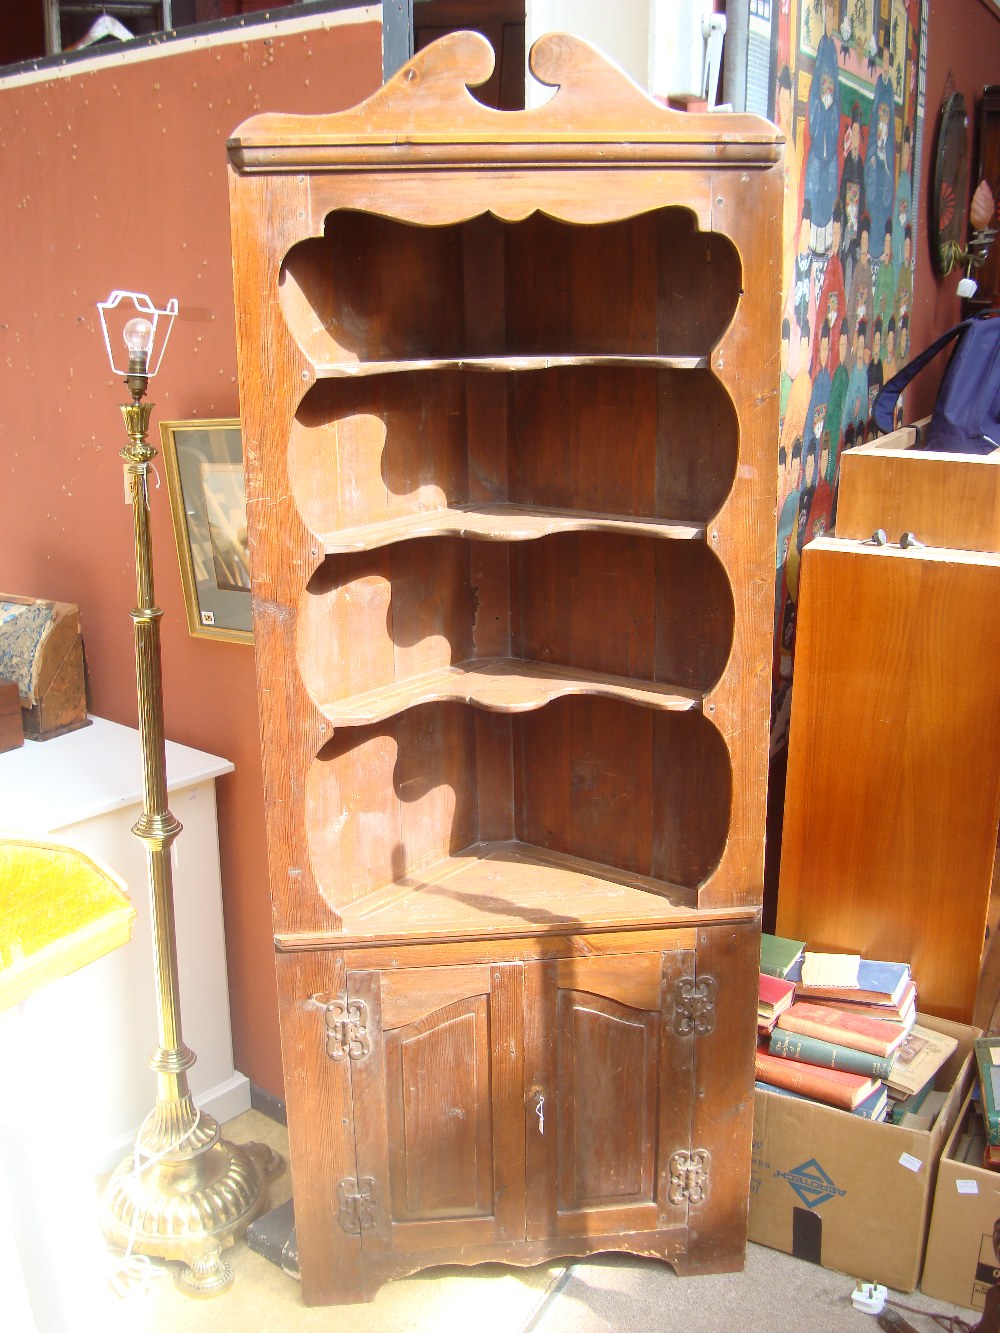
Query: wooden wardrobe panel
pixel 893 792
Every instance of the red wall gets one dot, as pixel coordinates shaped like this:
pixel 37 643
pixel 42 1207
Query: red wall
pixel 117 178
pixel 963 40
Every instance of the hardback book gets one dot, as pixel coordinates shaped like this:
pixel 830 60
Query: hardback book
pixel 923 1119
pixel 812 1051
pixel 903 1012
pixel 763 1086
pixel 842 1028
pixel 774 995
pixel 778 955
pixel 988 1066
pixel 903 1106
pixel 835 1087
pixel 830 971
pixel 919 1058
pixel 877 983
pixel 874 1107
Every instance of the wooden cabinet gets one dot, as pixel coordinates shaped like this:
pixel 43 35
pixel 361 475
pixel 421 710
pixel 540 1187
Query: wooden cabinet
pixel 509 385
pixel 893 797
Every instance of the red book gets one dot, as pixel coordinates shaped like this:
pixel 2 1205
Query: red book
pixel 836 1087
pixel 843 1028
pixel 774 995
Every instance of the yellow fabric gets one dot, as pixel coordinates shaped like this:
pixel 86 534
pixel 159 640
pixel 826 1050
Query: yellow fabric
pixel 58 911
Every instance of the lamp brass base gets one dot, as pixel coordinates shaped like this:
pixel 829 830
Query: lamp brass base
pixel 190 1204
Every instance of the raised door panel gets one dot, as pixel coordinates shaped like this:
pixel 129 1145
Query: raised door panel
pixel 434 1103
pixel 439 1115
pixel 608 1079
pixel 606 1129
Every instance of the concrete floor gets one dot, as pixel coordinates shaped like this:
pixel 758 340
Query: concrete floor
pixel 607 1292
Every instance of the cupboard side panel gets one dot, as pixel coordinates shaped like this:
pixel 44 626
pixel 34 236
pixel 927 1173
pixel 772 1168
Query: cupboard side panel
pixel 747 209
pixel 722 1122
pixel 319 1098
pixel 283 557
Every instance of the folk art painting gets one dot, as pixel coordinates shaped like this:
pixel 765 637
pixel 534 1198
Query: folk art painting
pixel 848 94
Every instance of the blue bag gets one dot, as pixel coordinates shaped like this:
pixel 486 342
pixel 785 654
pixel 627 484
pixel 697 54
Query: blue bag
pixel 966 417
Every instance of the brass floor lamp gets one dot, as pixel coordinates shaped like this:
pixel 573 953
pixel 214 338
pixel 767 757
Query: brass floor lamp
pixel 186 1192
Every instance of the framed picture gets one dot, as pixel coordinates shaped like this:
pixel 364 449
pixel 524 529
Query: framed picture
pixel 204 462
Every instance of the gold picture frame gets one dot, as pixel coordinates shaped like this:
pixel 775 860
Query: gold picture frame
pixel 204 464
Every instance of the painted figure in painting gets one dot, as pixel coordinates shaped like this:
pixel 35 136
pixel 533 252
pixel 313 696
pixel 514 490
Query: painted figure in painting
pixel 836 403
pixel 857 385
pixel 875 365
pixel 904 284
pixel 822 164
pixel 880 157
pixel 797 407
pixel 904 199
pixel 784 379
pixel 802 285
pixel 816 415
pixel 884 295
pixel 859 302
pixel 852 195
pixel 793 176
pixel 831 305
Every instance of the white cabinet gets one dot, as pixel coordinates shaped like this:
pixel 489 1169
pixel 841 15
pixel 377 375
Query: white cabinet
pixel 92 1032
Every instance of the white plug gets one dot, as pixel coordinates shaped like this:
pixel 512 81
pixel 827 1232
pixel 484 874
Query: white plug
pixel 869 1297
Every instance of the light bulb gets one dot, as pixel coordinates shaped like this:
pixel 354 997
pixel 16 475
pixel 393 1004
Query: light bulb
pixel 138 335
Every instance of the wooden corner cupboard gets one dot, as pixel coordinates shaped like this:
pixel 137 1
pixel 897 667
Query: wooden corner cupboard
pixel 509 400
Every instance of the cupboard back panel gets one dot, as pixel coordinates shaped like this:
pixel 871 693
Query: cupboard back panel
pixel 633 441
pixel 641 791
pixel 374 289
pixel 624 785
pixel 367 450
pixel 656 611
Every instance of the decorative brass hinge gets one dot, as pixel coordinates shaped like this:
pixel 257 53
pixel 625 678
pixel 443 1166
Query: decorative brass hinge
pixel 347 1029
pixel 689 1176
pixel 358 1205
pixel 694 1005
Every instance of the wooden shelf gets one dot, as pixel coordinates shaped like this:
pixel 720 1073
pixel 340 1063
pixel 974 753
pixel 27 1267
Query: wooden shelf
pixel 503 685
pixel 501 523
pixel 512 889
pixel 341 369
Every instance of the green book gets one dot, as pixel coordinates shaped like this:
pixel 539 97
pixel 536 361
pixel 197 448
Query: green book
pixel 912 1103
pixel 988 1062
pixel 778 955
pixel 828 1054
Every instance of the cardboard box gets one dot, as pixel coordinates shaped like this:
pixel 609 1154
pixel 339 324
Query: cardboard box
pixel 849 1193
pixel 962 1263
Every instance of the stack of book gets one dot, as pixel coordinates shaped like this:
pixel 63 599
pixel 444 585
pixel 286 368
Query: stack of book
pixel 988 1072
pixel 774 995
pixel 848 1036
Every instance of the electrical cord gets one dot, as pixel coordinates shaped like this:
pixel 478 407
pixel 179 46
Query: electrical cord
pixel 951 1323
pixel 137 1271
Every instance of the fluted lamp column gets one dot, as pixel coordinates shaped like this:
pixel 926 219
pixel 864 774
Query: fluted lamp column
pixel 185 1193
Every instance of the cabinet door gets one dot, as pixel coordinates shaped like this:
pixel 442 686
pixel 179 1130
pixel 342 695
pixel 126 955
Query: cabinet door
pixel 608 1079
pixel 437 1107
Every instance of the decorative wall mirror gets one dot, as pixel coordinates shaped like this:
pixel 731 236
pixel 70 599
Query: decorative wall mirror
pixel 949 202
